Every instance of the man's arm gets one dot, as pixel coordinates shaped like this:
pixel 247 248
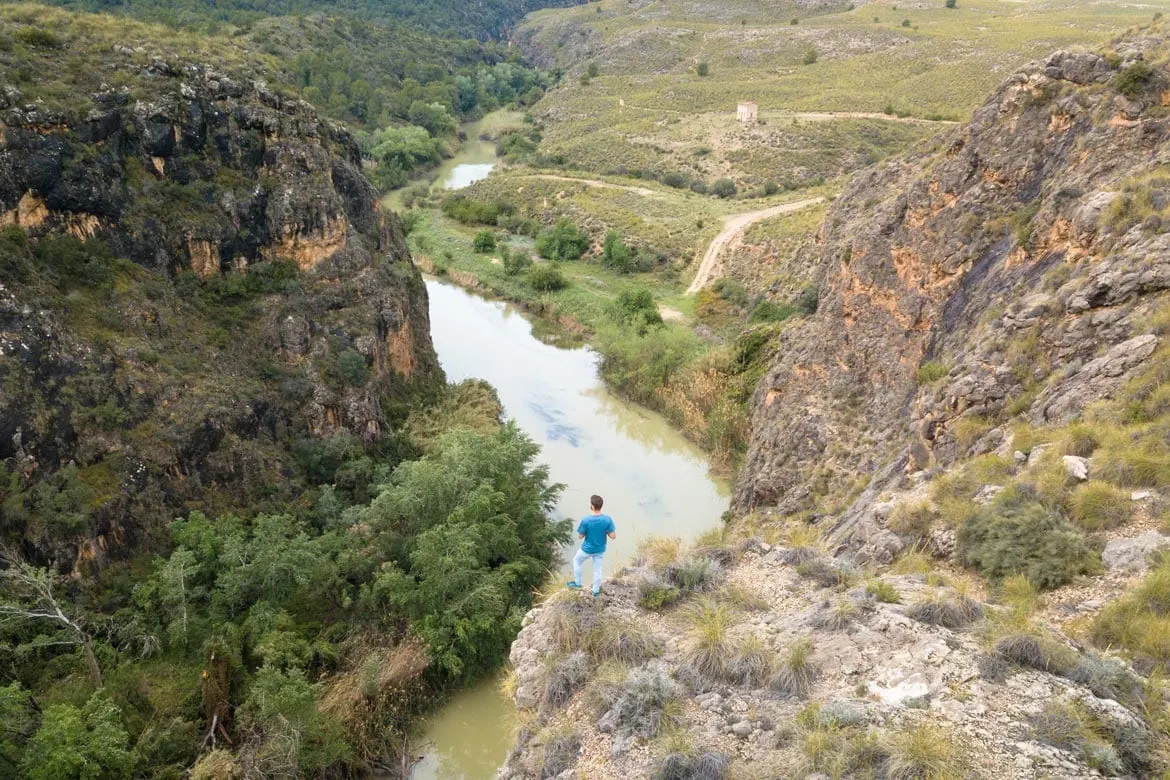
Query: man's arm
pixel 612 534
pixel 612 531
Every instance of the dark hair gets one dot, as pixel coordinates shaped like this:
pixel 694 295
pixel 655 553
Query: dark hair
pixel 595 501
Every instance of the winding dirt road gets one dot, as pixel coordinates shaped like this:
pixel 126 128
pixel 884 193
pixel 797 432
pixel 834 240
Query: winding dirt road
pixel 733 226
pixel 643 191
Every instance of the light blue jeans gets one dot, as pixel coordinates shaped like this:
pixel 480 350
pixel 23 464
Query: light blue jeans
pixel 579 560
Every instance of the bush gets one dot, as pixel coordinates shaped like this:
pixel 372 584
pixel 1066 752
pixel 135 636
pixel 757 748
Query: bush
pixel 468 211
pixel 635 308
pixel 703 69
pixel 352 367
pixel 913 521
pixel 824 573
pixel 1097 506
pixel 644 705
pixel 951 3
pixel 1080 440
pixel 563 241
pixel 924 752
pixel 656 593
pixel 638 364
pixel 810 57
pixel 1015 536
pixel 559 755
pixel 517 263
pixel 708 648
pixel 1139 621
pixel 1134 80
pixel 695 573
pixel 675 180
pixel 39 37
pixel 1134 465
pixel 883 591
pixel 953 612
pixel 1069 726
pixel 1032 652
pixel 547 278
pixel 564 677
pixel 86 742
pixel 796 673
pixel 74 263
pixel 767 311
pixel 485 241
pixel 724 188
pixel 932 371
pixel 809 299
pixel 679 766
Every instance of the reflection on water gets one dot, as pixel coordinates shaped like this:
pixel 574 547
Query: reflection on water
pixel 465 174
pixel 654 481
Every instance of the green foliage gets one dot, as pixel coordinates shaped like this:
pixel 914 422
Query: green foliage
pixel 469 211
pixel 809 299
pixel 74 263
pixel 87 742
pixel 17 723
pixel 637 364
pixel 1020 536
pixel 703 69
pixel 883 591
pixel 932 371
pixel 562 242
pixel 353 367
pixel 547 277
pixel 281 706
pixel 810 57
pixel 1097 506
pixel 400 150
pixel 636 309
pixel 724 188
pixel 619 257
pixel 1134 80
pixel 767 311
pixel 517 263
pixel 1139 621
pixel 951 3
pixel 484 241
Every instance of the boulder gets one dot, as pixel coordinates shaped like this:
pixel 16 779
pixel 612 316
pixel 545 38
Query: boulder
pixel 1076 467
pixel 1133 554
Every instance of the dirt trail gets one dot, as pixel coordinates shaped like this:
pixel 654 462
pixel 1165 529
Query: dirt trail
pixel 733 226
pixel 644 191
pixel 813 116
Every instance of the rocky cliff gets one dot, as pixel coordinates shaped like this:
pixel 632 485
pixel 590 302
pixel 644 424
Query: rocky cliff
pixel 957 477
pixel 199 293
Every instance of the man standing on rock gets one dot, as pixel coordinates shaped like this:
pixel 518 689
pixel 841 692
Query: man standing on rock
pixel 593 529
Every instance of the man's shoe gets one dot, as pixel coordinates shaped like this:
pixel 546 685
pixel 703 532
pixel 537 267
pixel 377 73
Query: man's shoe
pixel 597 593
pixel 573 584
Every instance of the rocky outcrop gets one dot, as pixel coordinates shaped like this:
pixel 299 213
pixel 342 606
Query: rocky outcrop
pixel 1011 255
pixel 239 290
pixel 873 670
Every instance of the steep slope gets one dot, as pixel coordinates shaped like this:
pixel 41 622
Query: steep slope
pixel 1006 254
pixel 957 477
pixel 196 276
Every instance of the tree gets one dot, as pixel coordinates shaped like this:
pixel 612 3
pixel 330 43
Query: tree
pixel 27 597
pixel 563 241
pixel 485 241
pixel 89 743
pixel 547 278
pixel 400 150
pixel 517 263
pixel 724 188
pixel 615 254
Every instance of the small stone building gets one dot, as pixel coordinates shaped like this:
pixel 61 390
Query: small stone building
pixel 747 112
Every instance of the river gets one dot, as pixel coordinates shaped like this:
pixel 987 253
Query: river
pixel 654 481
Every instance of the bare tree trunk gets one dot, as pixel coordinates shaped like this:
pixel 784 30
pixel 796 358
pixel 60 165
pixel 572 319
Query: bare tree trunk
pixel 95 671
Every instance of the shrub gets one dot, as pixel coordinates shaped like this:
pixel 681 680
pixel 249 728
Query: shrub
pixel 796 673
pixel 703 69
pixel 516 263
pixel 679 766
pixel 559 755
pixel 913 521
pixel 1139 621
pixel 906 23
pixel 883 591
pixel 750 663
pixel 635 308
pixel 1096 506
pixel 924 752
pixel 1069 726
pixel 708 648
pixel 951 3
pixel 352 367
pixel 675 180
pixel 75 263
pixel 1080 440
pixel 724 188
pixel 469 211
pixel 638 364
pixel 39 37
pixel 938 609
pixel 1134 80
pixel 563 241
pixel 824 573
pixel 644 705
pixel 767 311
pixel 810 57
pixel 1134 466
pixel 809 299
pixel 932 371
pixel 1032 652
pixel 484 241
pixel 1014 536
pixel 694 573
pixel 547 277
pixel 564 677
pixel 836 617
pixel 656 593
pixel 615 255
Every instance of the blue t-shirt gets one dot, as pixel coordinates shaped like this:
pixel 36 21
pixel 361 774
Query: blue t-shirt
pixel 595 528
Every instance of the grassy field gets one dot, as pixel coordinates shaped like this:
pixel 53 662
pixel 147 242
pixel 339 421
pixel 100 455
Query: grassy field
pixel 648 107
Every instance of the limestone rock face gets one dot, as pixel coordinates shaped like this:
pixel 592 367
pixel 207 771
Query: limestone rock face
pixel 267 300
pixel 996 252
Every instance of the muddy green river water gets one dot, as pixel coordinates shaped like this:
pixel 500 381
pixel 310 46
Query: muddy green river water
pixel 655 482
